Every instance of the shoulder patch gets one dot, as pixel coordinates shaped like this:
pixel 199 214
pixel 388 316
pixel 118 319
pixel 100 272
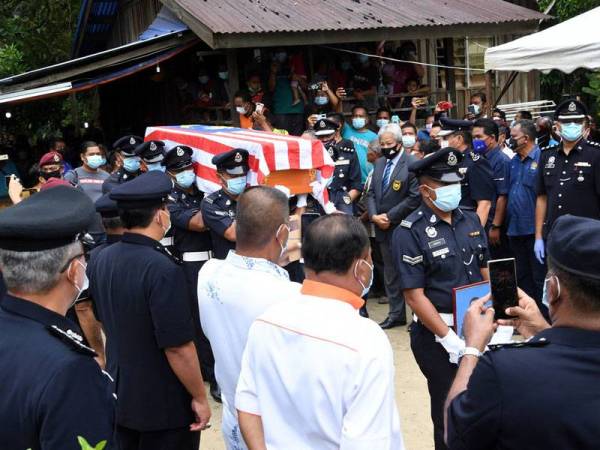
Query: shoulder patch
pixel 72 339
pixel 413 261
pixel 406 224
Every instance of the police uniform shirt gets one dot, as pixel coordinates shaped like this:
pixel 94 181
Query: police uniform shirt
pixel 539 395
pixel 142 301
pixel 218 212
pixel 478 183
pixel 119 177
pixel 436 256
pixel 183 206
pixel 570 182
pixel 346 175
pixel 500 165
pixel 52 390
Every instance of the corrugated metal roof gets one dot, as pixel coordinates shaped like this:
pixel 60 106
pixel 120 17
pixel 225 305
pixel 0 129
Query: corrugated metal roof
pixel 265 16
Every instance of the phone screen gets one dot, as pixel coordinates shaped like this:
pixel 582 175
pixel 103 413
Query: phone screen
pixel 306 220
pixel 503 284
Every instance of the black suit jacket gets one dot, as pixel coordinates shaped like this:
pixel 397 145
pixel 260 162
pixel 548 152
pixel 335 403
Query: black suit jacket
pixel 399 199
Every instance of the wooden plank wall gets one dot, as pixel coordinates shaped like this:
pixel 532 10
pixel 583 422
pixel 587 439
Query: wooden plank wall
pixel 133 18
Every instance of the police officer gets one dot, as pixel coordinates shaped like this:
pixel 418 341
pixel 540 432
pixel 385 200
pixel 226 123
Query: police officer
pixel 345 185
pixel 192 243
pixel 53 394
pixel 152 153
pixel 541 393
pixel 437 248
pixel 141 296
pixel 218 209
pixel 478 190
pixel 131 163
pixel 569 182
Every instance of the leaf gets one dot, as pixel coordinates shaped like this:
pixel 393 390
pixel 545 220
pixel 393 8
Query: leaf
pixel 86 446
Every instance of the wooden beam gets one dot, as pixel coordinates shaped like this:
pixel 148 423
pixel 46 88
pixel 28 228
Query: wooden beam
pixel 488 93
pixel 450 76
pixel 199 29
pixel 234 83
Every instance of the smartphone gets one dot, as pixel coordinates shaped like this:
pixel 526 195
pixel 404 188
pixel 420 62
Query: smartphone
pixel 259 108
pixel 471 109
pixel 306 220
pixel 7 179
pixel 503 284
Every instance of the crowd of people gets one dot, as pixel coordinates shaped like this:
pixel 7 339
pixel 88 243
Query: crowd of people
pixel 120 257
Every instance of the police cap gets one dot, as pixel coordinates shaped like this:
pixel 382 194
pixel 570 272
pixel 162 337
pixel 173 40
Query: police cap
pixel 441 165
pixel 571 248
pixel 127 144
pixel 106 206
pixel 148 190
pixel 570 109
pixel 151 152
pixel 450 126
pixel 234 162
pixel 51 158
pixel 49 219
pixel 179 157
pixel 324 127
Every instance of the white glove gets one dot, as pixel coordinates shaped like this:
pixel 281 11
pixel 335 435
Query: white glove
pixel 452 344
pixel 318 192
pixel 301 201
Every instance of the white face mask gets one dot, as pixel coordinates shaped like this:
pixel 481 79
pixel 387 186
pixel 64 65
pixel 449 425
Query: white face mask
pixel 84 285
pixel 168 228
pixel 283 246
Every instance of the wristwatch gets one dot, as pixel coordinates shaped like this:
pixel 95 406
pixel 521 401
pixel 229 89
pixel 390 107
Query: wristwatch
pixel 469 351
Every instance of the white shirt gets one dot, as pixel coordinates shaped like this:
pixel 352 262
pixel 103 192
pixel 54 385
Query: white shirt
pixel 231 294
pixel 320 375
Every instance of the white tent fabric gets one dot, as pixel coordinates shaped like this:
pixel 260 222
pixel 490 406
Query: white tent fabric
pixel 567 46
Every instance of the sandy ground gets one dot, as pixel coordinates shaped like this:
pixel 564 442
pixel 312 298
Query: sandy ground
pixel 411 394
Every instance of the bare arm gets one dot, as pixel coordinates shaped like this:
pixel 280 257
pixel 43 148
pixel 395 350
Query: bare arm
pixel 92 329
pixel 252 430
pixel 500 210
pixel 230 233
pixel 541 206
pixel 333 99
pixel 483 210
pixel 197 223
pixel 425 311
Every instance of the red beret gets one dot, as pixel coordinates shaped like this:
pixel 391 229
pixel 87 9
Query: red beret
pixel 51 158
pixel 53 182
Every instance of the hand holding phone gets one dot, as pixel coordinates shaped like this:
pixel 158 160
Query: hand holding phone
pixel 259 108
pixel 503 284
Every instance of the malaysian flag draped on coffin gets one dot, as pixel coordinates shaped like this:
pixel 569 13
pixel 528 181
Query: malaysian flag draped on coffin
pixel 269 152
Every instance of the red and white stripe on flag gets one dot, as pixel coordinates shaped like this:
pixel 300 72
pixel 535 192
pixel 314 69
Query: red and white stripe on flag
pixel 268 152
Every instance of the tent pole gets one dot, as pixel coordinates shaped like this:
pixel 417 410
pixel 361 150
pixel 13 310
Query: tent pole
pixel 509 81
pixel 488 93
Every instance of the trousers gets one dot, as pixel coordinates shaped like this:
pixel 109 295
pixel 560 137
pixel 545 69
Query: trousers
pixel 176 439
pixel 530 273
pixel 392 281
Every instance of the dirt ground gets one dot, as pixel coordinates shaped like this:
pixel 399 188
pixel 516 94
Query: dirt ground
pixel 411 394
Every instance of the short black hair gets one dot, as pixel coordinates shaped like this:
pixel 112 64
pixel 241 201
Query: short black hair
pixel 383 109
pixel 525 115
pixel 337 117
pixel 480 95
pixel 88 144
pixel 528 128
pixel 260 212
pixel 332 243
pixel 244 95
pixel 409 125
pixel 112 223
pixel 584 292
pixel 466 135
pixel 137 218
pixel 499 111
pixel 429 147
pixel 361 106
pixel 490 127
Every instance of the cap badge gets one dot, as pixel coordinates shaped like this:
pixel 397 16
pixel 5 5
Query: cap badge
pixel 152 146
pixel 180 151
pixel 322 124
pixel 431 232
pixel 56 158
pixel 551 160
pixel 452 160
pixel 238 157
pixel 572 107
pixel 132 141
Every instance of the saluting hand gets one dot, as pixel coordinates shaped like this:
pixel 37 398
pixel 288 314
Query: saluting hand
pixel 202 413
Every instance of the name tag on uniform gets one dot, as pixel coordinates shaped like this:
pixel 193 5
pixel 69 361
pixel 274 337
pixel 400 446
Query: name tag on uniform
pixel 437 243
pixel 441 252
pixel 222 213
pixel 583 164
pixel 475 233
pixel 342 162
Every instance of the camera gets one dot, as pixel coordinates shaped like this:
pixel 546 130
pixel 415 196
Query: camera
pixel 315 86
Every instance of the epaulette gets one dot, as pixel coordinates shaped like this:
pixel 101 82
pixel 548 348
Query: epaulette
pixel 208 200
pixel 475 156
pixel 541 342
pixel 594 143
pixel 406 224
pixel 165 251
pixel 74 340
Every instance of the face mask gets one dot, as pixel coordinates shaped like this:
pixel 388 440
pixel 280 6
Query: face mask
pixel 185 178
pixel 95 161
pixel 283 246
pixel 382 122
pixel 85 284
pixel 476 108
pixel 236 185
pixel 363 59
pixel 444 144
pixel 345 65
pixel 224 75
pixel 545 299
pixel 428 126
pixel 571 131
pixel 131 164
pixel 240 110
pixel 447 197
pixel 321 100
pixel 365 289
pixel 479 146
pixel 358 122
pixel 156 166
pixel 389 152
pixel 512 144
pixel 47 175
pixel 203 79
pixel 408 141
pixel 168 226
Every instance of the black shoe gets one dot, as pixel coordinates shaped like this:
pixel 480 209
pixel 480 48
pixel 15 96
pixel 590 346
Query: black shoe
pixel 392 323
pixel 363 312
pixel 215 392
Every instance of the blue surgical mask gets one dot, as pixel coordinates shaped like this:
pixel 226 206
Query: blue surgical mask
pixel 131 164
pixel 236 185
pixel 479 146
pixel 367 288
pixel 447 197
pixel 155 166
pixel 408 141
pixel 95 161
pixel 358 122
pixel 382 122
pixel 185 178
pixel 321 100
pixel 571 131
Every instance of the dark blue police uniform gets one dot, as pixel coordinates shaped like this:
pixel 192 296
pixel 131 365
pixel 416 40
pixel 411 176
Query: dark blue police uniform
pixel 126 146
pixel 346 175
pixel 436 256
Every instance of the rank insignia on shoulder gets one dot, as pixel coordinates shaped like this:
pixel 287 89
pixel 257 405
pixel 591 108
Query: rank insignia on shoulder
pixel 73 339
pixel 475 156
pixel 594 143
pixel 475 233
pixel 413 261
pixel 208 200
pixel 396 185
pixel 406 224
pixel 541 342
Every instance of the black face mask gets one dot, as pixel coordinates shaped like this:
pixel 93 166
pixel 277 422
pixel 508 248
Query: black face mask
pixel 47 175
pixel 389 152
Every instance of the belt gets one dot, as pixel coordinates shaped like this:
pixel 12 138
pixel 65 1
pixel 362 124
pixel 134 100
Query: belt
pixel 446 317
pixel 196 256
pixel 167 242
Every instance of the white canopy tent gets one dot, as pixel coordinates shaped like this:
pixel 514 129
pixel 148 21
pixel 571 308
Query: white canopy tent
pixel 567 46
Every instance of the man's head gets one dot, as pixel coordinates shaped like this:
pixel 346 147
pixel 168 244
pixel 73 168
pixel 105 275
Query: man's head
pixel 498 115
pixel 543 125
pixel 485 134
pixel 178 164
pixel 573 281
pixel 232 168
pixel 373 151
pixel 478 103
pixel 126 147
pixel 336 251
pixel 390 139
pixel 456 133
pixel 412 84
pixel 51 166
pixel 522 136
pixel 325 130
pixel 57 144
pixel 254 84
pixel 109 211
pixel 262 223
pixel 92 155
pixel 152 154
pixel 409 135
pixel 243 103
pixel 360 117
pixel 570 118
pixel 383 117
pixel 523 115
pixel 436 127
